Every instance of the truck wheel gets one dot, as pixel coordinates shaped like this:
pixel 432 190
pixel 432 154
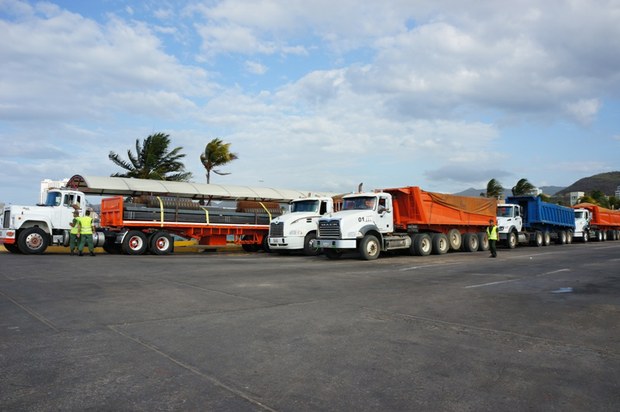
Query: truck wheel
pixel 561 240
pixel 134 243
pixel 585 237
pixel 483 242
pixel 538 239
pixel 112 248
pixel 470 242
pixel 546 239
pixel 569 237
pixel 13 248
pixel 32 241
pixel 455 239
pixel 264 244
pixel 511 240
pixel 369 247
pixel 332 253
pixel 309 248
pixel 599 236
pixel 161 243
pixel 422 244
pixel 440 244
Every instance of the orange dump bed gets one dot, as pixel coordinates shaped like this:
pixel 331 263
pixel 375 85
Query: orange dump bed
pixel 601 216
pixel 414 206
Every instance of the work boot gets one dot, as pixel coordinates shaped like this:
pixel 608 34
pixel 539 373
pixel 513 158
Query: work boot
pixel 92 253
pixel 80 254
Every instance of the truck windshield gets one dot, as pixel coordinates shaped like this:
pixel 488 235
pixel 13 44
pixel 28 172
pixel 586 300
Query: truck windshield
pixel 359 203
pixel 305 206
pixel 504 211
pixel 580 215
pixel 53 199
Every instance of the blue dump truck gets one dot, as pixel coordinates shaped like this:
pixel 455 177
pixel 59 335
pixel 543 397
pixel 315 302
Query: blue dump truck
pixel 529 220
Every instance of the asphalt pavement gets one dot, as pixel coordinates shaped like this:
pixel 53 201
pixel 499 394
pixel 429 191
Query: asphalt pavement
pixel 536 329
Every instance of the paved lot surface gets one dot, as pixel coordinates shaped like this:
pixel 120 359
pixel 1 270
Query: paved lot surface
pixel 535 329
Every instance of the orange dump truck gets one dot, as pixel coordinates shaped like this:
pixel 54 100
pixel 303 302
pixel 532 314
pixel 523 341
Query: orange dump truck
pixel 596 222
pixel 406 218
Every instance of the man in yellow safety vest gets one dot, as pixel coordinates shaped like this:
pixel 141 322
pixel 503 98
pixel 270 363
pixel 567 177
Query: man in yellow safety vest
pixel 492 235
pixel 86 233
pixel 73 233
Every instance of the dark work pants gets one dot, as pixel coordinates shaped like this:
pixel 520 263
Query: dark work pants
pixel 492 247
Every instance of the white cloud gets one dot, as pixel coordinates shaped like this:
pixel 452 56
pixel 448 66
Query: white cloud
pixel 584 111
pixel 255 67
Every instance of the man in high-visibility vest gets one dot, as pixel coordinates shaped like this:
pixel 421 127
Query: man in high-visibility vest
pixel 86 233
pixel 73 233
pixel 492 235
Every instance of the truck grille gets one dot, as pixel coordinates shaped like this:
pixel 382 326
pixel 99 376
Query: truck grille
pixel 276 229
pixel 6 219
pixel 329 229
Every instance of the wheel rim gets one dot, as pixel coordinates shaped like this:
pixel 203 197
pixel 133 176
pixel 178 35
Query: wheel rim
pixel 162 243
pixel 34 241
pixel 135 243
pixel 372 248
pixel 426 245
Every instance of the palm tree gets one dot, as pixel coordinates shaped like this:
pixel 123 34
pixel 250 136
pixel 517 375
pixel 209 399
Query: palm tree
pixel 494 189
pixel 217 153
pixel 152 160
pixel 523 187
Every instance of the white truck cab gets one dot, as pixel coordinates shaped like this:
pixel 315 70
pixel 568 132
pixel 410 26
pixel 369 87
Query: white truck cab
pixel 509 223
pixel 363 224
pixel 31 229
pixel 296 230
pixel 583 217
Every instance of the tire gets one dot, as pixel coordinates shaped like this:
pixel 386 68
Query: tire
pixel 470 242
pixel 569 237
pixel 441 245
pixel 134 243
pixel 12 247
pixel 483 242
pixel 33 241
pixel 561 240
pixel 538 239
pixel 455 239
pixel 599 236
pixel 309 248
pixel 546 239
pixel 369 247
pixel 112 248
pixel 511 240
pixel 422 244
pixel 250 247
pixel 586 237
pixel 332 254
pixel 161 243
pixel 264 244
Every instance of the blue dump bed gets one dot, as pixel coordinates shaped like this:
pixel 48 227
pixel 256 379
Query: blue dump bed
pixel 539 215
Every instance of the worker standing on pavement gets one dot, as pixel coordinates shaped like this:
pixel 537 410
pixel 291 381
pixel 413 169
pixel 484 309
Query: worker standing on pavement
pixel 73 233
pixel 86 233
pixel 492 235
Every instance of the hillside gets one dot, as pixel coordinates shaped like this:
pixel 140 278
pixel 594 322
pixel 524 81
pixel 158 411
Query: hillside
pixel 605 182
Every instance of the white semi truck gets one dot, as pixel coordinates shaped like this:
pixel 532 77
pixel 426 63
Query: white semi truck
pixel 296 230
pixel 31 229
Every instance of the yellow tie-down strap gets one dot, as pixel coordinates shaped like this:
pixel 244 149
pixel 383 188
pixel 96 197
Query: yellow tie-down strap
pixel 206 214
pixel 266 210
pixel 161 212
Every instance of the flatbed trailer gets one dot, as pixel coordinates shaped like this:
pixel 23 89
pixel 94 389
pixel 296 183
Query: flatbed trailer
pixel 134 228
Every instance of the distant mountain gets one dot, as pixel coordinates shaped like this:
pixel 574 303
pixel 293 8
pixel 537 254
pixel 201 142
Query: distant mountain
pixel 605 182
pixel 548 190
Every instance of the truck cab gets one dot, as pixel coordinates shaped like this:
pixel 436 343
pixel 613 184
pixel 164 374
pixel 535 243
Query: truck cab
pixel 364 223
pixel 31 229
pixel 583 218
pixel 509 223
pixel 296 230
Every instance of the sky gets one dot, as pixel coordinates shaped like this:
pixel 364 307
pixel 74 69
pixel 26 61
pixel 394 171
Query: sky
pixel 313 95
